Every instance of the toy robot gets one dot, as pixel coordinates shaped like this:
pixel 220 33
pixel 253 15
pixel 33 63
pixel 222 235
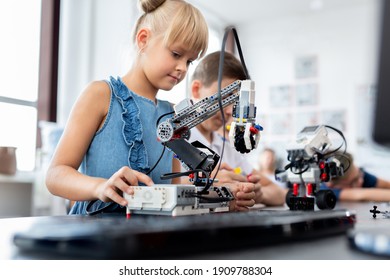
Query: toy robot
pixel 311 163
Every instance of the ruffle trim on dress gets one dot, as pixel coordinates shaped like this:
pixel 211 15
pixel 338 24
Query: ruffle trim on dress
pixel 132 127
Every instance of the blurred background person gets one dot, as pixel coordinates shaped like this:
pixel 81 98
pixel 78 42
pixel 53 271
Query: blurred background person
pixel 268 164
pixel 357 184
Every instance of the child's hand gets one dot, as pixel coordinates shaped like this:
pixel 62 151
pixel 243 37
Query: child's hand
pixel 226 174
pixel 244 196
pixel 255 179
pixel 119 183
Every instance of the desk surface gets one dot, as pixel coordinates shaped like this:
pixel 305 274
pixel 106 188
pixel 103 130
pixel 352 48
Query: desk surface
pixel 328 248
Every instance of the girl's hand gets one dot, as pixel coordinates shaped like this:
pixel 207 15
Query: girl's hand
pixel 244 196
pixel 121 182
pixel 256 179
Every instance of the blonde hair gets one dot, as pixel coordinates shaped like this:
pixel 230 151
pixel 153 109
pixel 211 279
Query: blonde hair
pixel 177 20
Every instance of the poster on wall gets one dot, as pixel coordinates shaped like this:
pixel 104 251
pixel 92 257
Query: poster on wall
pixel 303 119
pixel 306 67
pixel 280 96
pixel 306 94
pixel 335 118
pixel 280 124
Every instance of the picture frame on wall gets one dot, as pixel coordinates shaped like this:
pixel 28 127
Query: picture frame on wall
pixel 306 94
pixel 280 124
pixel 303 119
pixel 281 96
pixel 335 118
pixel 306 67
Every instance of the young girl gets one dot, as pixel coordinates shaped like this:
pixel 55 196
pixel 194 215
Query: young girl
pixel 110 142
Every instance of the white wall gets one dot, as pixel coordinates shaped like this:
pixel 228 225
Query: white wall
pixel 343 35
pixel 95 41
pixel 345 42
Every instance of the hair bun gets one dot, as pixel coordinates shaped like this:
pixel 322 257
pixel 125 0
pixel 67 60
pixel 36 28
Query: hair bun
pixel 149 6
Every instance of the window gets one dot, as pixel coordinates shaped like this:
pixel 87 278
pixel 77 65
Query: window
pixel 19 72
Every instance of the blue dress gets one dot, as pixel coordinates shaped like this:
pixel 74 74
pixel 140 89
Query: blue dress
pixel 127 138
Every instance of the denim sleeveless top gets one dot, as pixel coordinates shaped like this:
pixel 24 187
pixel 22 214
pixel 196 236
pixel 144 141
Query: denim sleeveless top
pixel 127 138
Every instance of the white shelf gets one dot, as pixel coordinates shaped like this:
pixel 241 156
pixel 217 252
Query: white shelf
pixel 19 177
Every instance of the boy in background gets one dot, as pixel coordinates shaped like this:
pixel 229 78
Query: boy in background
pixel 234 166
pixel 357 184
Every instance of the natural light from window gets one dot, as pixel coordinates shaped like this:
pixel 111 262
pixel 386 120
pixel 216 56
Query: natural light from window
pixel 19 69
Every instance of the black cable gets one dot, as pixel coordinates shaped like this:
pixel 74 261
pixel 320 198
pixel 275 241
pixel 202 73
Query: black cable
pixel 345 147
pixel 163 115
pixel 208 182
pixel 240 53
pixel 162 153
pixel 342 136
pixel 154 166
pixel 220 75
pixel 179 174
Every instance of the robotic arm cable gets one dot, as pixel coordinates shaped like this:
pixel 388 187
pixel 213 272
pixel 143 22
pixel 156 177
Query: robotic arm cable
pixel 220 75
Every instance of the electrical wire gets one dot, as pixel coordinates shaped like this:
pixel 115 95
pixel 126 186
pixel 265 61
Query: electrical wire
pixel 220 76
pixel 179 174
pixel 154 166
pixel 164 147
pixel 343 143
pixel 163 115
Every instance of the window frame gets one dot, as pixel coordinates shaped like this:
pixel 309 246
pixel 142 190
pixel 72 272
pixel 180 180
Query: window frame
pixel 46 100
pixel 48 63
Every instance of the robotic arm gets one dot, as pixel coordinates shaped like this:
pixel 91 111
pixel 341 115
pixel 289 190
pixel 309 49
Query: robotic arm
pixel 244 133
pixel 199 160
